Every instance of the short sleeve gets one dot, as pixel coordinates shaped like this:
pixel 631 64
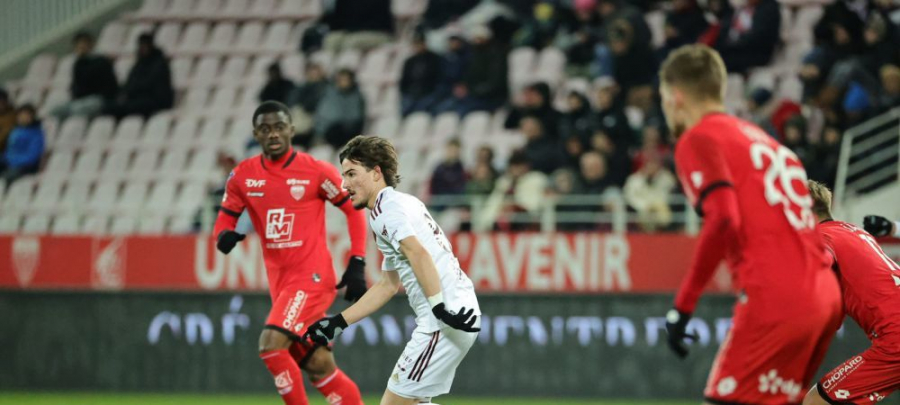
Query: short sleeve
pixel 388 264
pixel 330 185
pixel 233 202
pixel 395 224
pixel 702 168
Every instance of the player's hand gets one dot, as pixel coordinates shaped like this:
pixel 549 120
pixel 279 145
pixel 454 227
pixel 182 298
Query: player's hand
pixel 227 240
pixel 326 329
pixel 877 225
pixel 464 320
pixel 354 279
pixel 676 326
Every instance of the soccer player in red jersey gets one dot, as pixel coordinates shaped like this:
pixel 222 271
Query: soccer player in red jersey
pixel 285 192
pixel 870 283
pixel 757 211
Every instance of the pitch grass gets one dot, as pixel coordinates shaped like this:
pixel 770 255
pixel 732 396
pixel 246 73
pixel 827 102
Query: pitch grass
pixel 26 398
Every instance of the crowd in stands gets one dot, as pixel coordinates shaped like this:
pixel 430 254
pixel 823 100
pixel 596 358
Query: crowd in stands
pixel 607 138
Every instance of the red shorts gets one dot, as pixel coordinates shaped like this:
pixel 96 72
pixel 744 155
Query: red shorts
pixel 293 310
pixel 864 379
pixel 767 360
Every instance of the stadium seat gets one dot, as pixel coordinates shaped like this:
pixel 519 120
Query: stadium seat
pixel 95 224
pixel 88 162
pixel 475 125
pixel 292 67
pixel 257 74
pixel 234 9
pixel 415 131
pixel 222 38
pixel 300 9
pixel 656 20
pixel 99 133
pixel 190 199
pixel 173 163
pixel 194 39
pixel 233 71
pixel 445 128
pixel 374 66
pixel 207 9
pixel 46 197
pixel 152 9
pixel 181 71
pixel 122 67
pixel 30 95
pixel 263 9
pixel 132 198
pixel 74 197
pixel 390 100
pixel 249 38
pixel 62 77
pixel 408 9
pixel 60 161
pixel 277 38
pixel 180 224
pixel 151 225
pixel 128 133
pixel 123 226
pixel 160 198
pixel 144 164
pixel 9 223
pixel 103 199
pixel 56 97
pixel 395 66
pixel 115 165
pixel 348 59
pixel 372 94
pixel 36 224
pixel 40 71
pixel 387 126
pixel 68 224
pixel 551 66
pixel 71 134
pixel 790 88
pixel 167 37
pixel 110 42
pixel 213 132
pixel 201 166
pixel 324 59
pixel 156 132
pixel 521 67
pixel 178 9
pixel 194 101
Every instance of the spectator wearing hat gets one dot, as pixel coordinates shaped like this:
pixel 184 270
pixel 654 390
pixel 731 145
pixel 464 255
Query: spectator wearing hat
pixel 93 84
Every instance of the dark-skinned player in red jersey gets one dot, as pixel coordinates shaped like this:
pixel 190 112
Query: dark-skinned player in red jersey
pixel 870 283
pixel 757 211
pixel 285 192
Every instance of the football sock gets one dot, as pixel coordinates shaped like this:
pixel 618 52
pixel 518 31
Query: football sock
pixel 288 379
pixel 339 389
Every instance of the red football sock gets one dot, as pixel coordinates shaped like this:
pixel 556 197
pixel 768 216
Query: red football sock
pixel 288 379
pixel 339 389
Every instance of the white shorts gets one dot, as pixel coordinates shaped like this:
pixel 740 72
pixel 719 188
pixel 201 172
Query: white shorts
pixel 428 363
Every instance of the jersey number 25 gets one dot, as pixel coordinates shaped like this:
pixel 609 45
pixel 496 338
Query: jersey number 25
pixel 785 183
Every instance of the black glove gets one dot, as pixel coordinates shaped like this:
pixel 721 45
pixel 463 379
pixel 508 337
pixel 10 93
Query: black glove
pixel 227 239
pixel 878 226
pixel 676 326
pixel 326 329
pixel 354 279
pixel 464 321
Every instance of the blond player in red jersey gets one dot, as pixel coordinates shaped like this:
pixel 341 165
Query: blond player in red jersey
pixel 285 191
pixel 870 283
pixel 752 194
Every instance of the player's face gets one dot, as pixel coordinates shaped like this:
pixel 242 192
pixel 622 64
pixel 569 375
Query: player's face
pixel 273 131
pixel 671 104
pixel 359 183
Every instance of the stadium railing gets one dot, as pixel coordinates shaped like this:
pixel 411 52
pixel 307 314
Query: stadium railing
pixel 870 157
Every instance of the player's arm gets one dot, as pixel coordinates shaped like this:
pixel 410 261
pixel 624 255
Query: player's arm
pixel 429 279
pixel 326 329
pixel 232 207
pixel 354 277
pixel 707 180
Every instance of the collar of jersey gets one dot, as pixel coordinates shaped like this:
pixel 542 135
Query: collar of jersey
pixel 283 161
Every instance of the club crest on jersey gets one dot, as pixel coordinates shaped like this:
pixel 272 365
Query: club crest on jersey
pixel 297 192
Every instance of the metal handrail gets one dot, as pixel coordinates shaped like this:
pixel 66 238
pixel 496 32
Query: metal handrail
pixel 848 148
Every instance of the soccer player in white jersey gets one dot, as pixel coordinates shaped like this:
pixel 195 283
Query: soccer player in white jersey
pixel 418 256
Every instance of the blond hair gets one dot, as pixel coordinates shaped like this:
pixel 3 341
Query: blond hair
pixel 821 196
pixel 696 69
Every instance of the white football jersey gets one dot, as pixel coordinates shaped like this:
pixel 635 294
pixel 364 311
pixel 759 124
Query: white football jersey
pixel 397 216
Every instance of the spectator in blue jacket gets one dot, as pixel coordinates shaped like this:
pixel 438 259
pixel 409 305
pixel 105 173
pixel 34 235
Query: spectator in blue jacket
pixel 24 147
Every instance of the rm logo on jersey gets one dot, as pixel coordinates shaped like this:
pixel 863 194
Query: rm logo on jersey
pixel 279 225
pixel 251 183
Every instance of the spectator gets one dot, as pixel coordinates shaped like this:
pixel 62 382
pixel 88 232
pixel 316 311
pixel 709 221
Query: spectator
pixel 304 101
pixel 519 190
pixel 760 108
pixel 826 155
pixel 341 113
pixel 610 116
pixel 449 177
pixel 362 26
pixel 684 25
pixel 578 122
pixel 484 86
pixel 795 138
pixel 652 147
pixel 485 155
pixel 564 189
pixel 750 38
pixel 617 162
pixel 148 88
pixel 277 87
pixel 481 181
pixel 7 118
pixel 594 176
pixel 838 37
pixel 420 80
pixel 25 146
pixel 539 29
pixel 453 64
pixel 889 96
pixel 544 153
pixel 634 65
pixel 573 149
pixel 647 192
pixel 613 10
pixel 93 81
pixel 579 37
pixel 536 102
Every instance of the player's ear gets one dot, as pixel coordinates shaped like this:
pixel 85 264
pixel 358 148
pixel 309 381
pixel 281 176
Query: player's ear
pixel 378 174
